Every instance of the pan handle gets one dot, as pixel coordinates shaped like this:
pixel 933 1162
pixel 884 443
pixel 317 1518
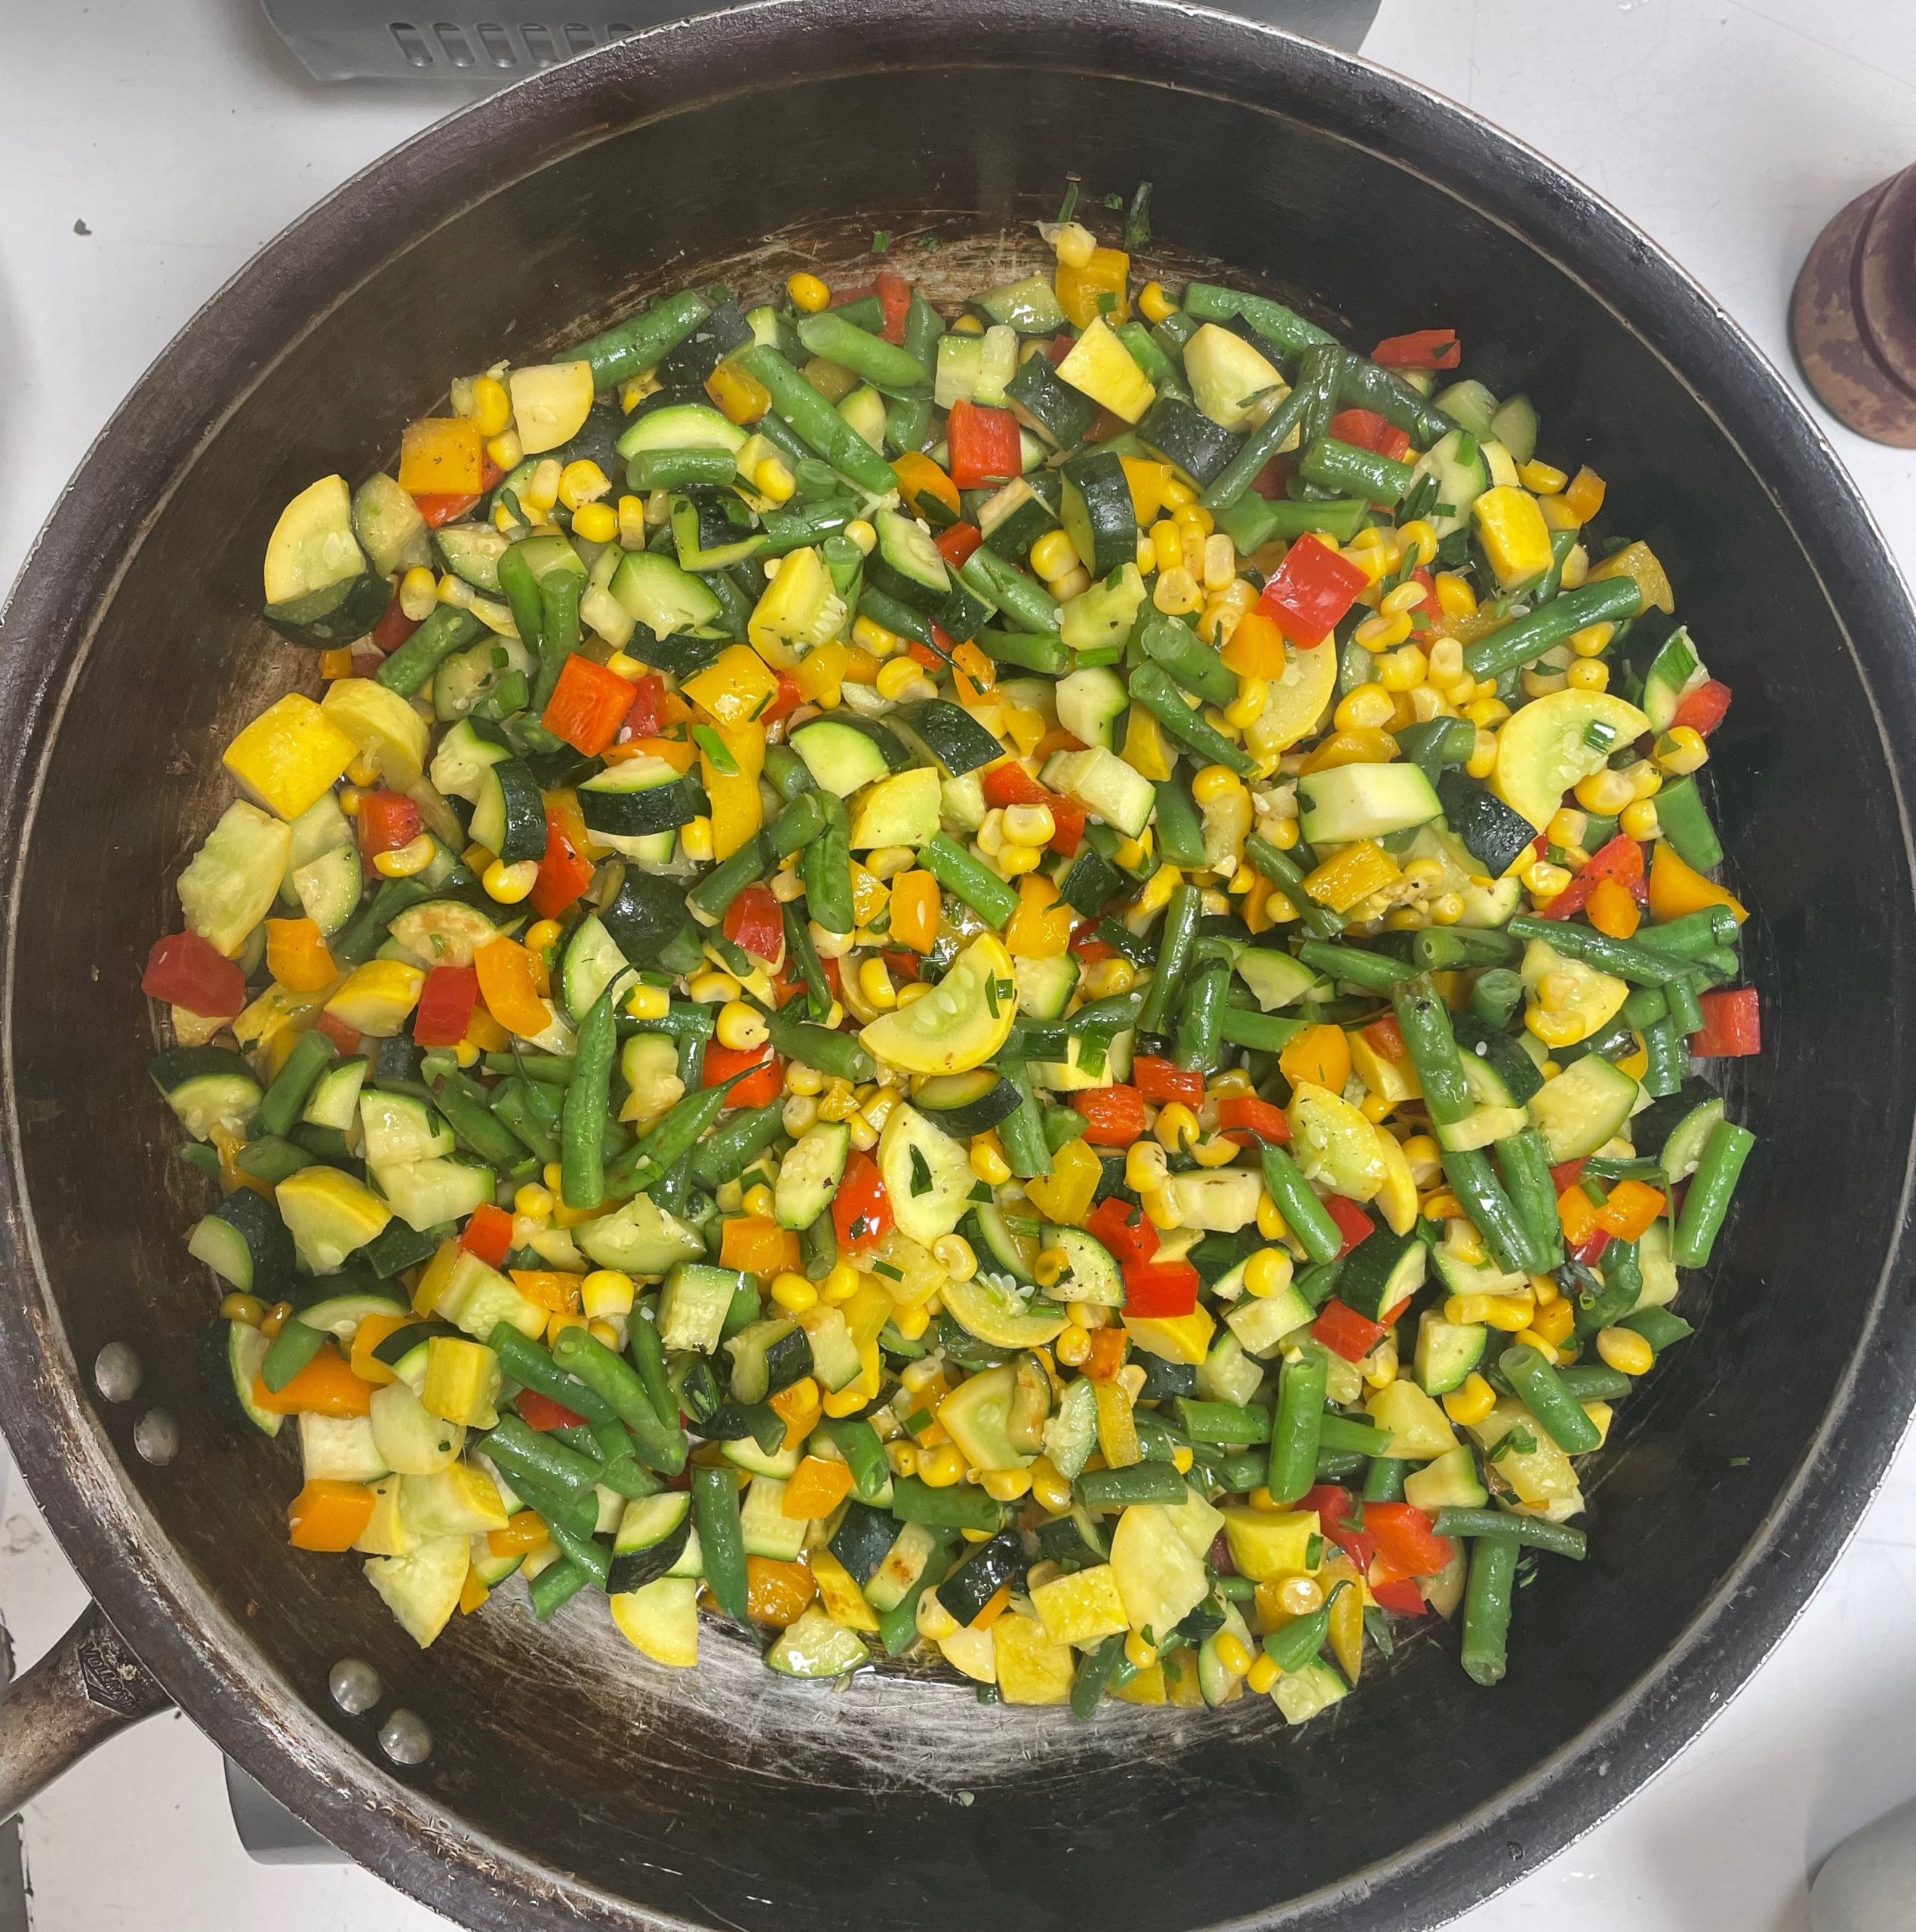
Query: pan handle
pixel 87 1686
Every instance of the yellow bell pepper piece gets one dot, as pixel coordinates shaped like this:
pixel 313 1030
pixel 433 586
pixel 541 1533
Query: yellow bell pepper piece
pixel 1106 273
pixel 1514 534
pixel 1040 928
pixel 1638 562
pixel 1319 1054
pixel 869 894
pixel 442 456
pixel 820 674
pixel 1355 873
pixel 737 811
pixel 1184 1338
pixel 1064 1194
pixel 290 755
pixel 1118 1430
pixel 297 956
pixel 1148 481
pixel 376 996
pixel 1146 751
pixel 736 687
pixel 1677 887
pixel 1366 745
pixel 741 396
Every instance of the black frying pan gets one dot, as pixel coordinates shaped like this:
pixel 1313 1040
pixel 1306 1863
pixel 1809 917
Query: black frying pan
pixel 570 1782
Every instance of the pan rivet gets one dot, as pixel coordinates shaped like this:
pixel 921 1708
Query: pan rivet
pixel 156 1435
pixel 116 1372
pixel 405 1738
pixel 354 1684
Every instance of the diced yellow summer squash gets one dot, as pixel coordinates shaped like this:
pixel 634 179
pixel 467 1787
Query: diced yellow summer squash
pixel 1185 1338
pixel 462 1381
pixel 329 1215
pixel 377 996
pixel 1064 1194
pixel 1082 1607
pixel 1033 1668
pixel 844 1601
pixel 1514 534
pixel 550 403
pixel 290 755
pixel 1266 1542
pixel 1100 367
pixel 388 732
pixel 1418 1429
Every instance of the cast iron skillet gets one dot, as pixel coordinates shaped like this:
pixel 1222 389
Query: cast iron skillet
pixel 571 1783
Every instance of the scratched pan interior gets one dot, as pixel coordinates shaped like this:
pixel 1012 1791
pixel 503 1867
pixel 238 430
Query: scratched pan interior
pixel 572 1782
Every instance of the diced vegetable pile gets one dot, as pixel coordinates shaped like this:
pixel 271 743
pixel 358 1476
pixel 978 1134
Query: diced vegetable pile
pixel 1021 982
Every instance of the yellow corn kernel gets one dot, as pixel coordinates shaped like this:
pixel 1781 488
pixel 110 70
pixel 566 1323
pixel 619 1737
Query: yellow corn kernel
pixel 741 1027
pixel 1074 244
pixel 1605 792
pixel 1176 592
pixel 509 884
pixel 533 1201
pixel 1512 1314
pixel 897 676
pixel 711 988
pixel 1471 1402
pixel 597 523
pixel 758 1200
pixel 794 1293
pixel 1541 479
pixel 1383 633
pixel 1016 861
pixel 875 983
pixel 1262 1674
pixel 1487 711
pixel 492 405
pixel 1176 1127
pixel 1109 977
pixel 1588 674
pixel 249 1308
pixel 1270 1218
pixel 1029 825
pixel 419 591
pixel 1624 1350
pixel 1073 583
pixel 413 857
pixel 1455 599
pixel 1214 783
pixel 1154 305
pixel 649 1003
pixel 1145 1169
pixel 1167 544
pixel 1005 1485
pixel 1051 1491
pixel 807 293
pixel 1268 1273
pixel 1074 1346
pixel 902 1455
pixel 1220 562
pixel 1680 750
pixel 1054 555
pixel 1639 820
pixel 582 482
pixel 1545 880
pixel 1403 670
pixel 988 1161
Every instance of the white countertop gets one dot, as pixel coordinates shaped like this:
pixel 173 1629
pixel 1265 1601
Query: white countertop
pixel 183 135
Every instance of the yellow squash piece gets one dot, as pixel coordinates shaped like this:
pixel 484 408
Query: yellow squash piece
pixel 1266 1542
pixel 376 996
pixel 388 732
pixel 290 755
pixel 737 810
pixel 1032 1666
pixel 1515 536
pixel 997 1317
pixel 1553 741
pixel 844 1601
pixel 312 546
pixel 1064 1194
pixel 421 1588
pixel 1082 1607
pixel 1100 367
pixel 1334 1144
pixel 329 1214
pixel 230 883
pixel 960 1023
pixel 462 1381
pixel 550 403
pixel 1184 1338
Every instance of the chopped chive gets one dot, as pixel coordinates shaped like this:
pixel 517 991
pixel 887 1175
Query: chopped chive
pixel 715 748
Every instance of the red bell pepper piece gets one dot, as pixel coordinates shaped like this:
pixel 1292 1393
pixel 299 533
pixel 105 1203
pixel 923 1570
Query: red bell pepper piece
pixel 983 444
pixel 1311 591
pixel 564 872
pixel 1246 1119
pixel 445 1009
pixel 958 541
pixel 1086 947
pixel 754 920
pixel 588 705
pixel 393 629
pixel 1422 349
pixel 788 700
pixel 1588 1253
pixel 1405 1539
pixel 1126 1230
pixel 1365 429
pixel 1703 709
pixel 755 1089
pixel 1387 1038
pixel 1160 1289
pixel 1007 783
pixel 345 1038
pixel 861 1209
pixel 1337 1520
pixel 1732 1025
pixel 185 970
pixel 1114 1116
pixel 1353 1224
pixel 1566 1175
pixel 1067 818
pixel 488 1235
pixel 1621 859
pixel 438 507
pixel 1159 1079
pixel 644 719
pixel 895 292
pixel 387 821
pixel 1398 1595
pixel 1345 1332
pixel 543 1413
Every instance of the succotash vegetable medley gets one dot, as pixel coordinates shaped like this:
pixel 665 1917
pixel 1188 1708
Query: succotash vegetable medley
pixel 1016 979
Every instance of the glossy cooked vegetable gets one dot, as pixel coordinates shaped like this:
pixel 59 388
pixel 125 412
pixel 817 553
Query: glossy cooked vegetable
pixel 1002 980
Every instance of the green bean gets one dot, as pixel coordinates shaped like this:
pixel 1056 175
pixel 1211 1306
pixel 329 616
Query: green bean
pixel 644 341
pixel 1096 1669
pixel 555 1585
pixel 802 821
pixel 959 872
pixel 1141 1482
pixel 1345 1435
pixel 1022 1132
pixel 648 1354
pixel 1496 996
pixel 514 1447
pixel 1708 1199
pixel 1152 686
pixel 521 590
pixel 858 1442
pixel 446 628
pixel 1287 331
pixel 1176 942
pixel 826 867
pixel 681 469
pixel 1489 1207
pixel 1029 607
pixel 888 368
pixel 1561 1416
pixel 923 327
pixel 293 1348
pixel 464 1105
pixel 582 1157
pixel 960 1507
pixel 549 1069
pixel 1488 1597
pixel 1686 1010
pixel 1179 830
pixel 1304 1214
pixel 586 1552
pixel 1433 745
pixel 714 893
pixel 1045 654
pixel 1200 1020
pixel 1297 1425
pixel 1347 470
pixel 725 1155
pixel 1365 384
pixel 1536 1531
pixel 1115 1014
pixel 530 1364
pixel 311 1054
pixel 1636 964
pixel 721 1539
pixel 1284 872
pixel 889 613
pixel 1591 1382
pixel 559 593
pixel 1194 665
pixel 1659 1327
pixel 1316 375
pixel 675 1134
pixel 683 1019
pixel 659 1441
pixel 1522 640
pixel 1424 1020
pixel 1524 1163
pixel 1253 520
pixel 1383 1480
pixel 1233 1424
pixel 1688 937
pixel 1373 971
pixel 1668 1056
pixel 1683 821
pixel 519 1107
pixel 811 414
pixel 786 773
pixel 1333 1464
pixel 1263 1033
pixel 802 962
pixel 1293 1645
pixel 818 1244
pixel 1621 1276
pixel 826 1049
pixel 1446 949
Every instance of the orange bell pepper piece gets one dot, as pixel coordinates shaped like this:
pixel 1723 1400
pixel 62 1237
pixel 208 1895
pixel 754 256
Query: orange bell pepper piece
pixel 1612 909
pixel 1040 928
pixel 1632 1206
pixel 816 1488
pixel 472 1593
pixel 298 957
pixel 373 1330
pixel 777 1592
pixel 1578 1213
pixel 557 1293
pixel 330 1516
pixel 522 1534
pixel 1677 887
pixel 509 986
pixel 915 904
pixel 1256 649
pixel 918 475
pixel 565 870
pixel 442 456
pixel 1319 1054
pixel 758 1244
pixel 996 1604
pixel 326 1386
pixel 1107 1356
